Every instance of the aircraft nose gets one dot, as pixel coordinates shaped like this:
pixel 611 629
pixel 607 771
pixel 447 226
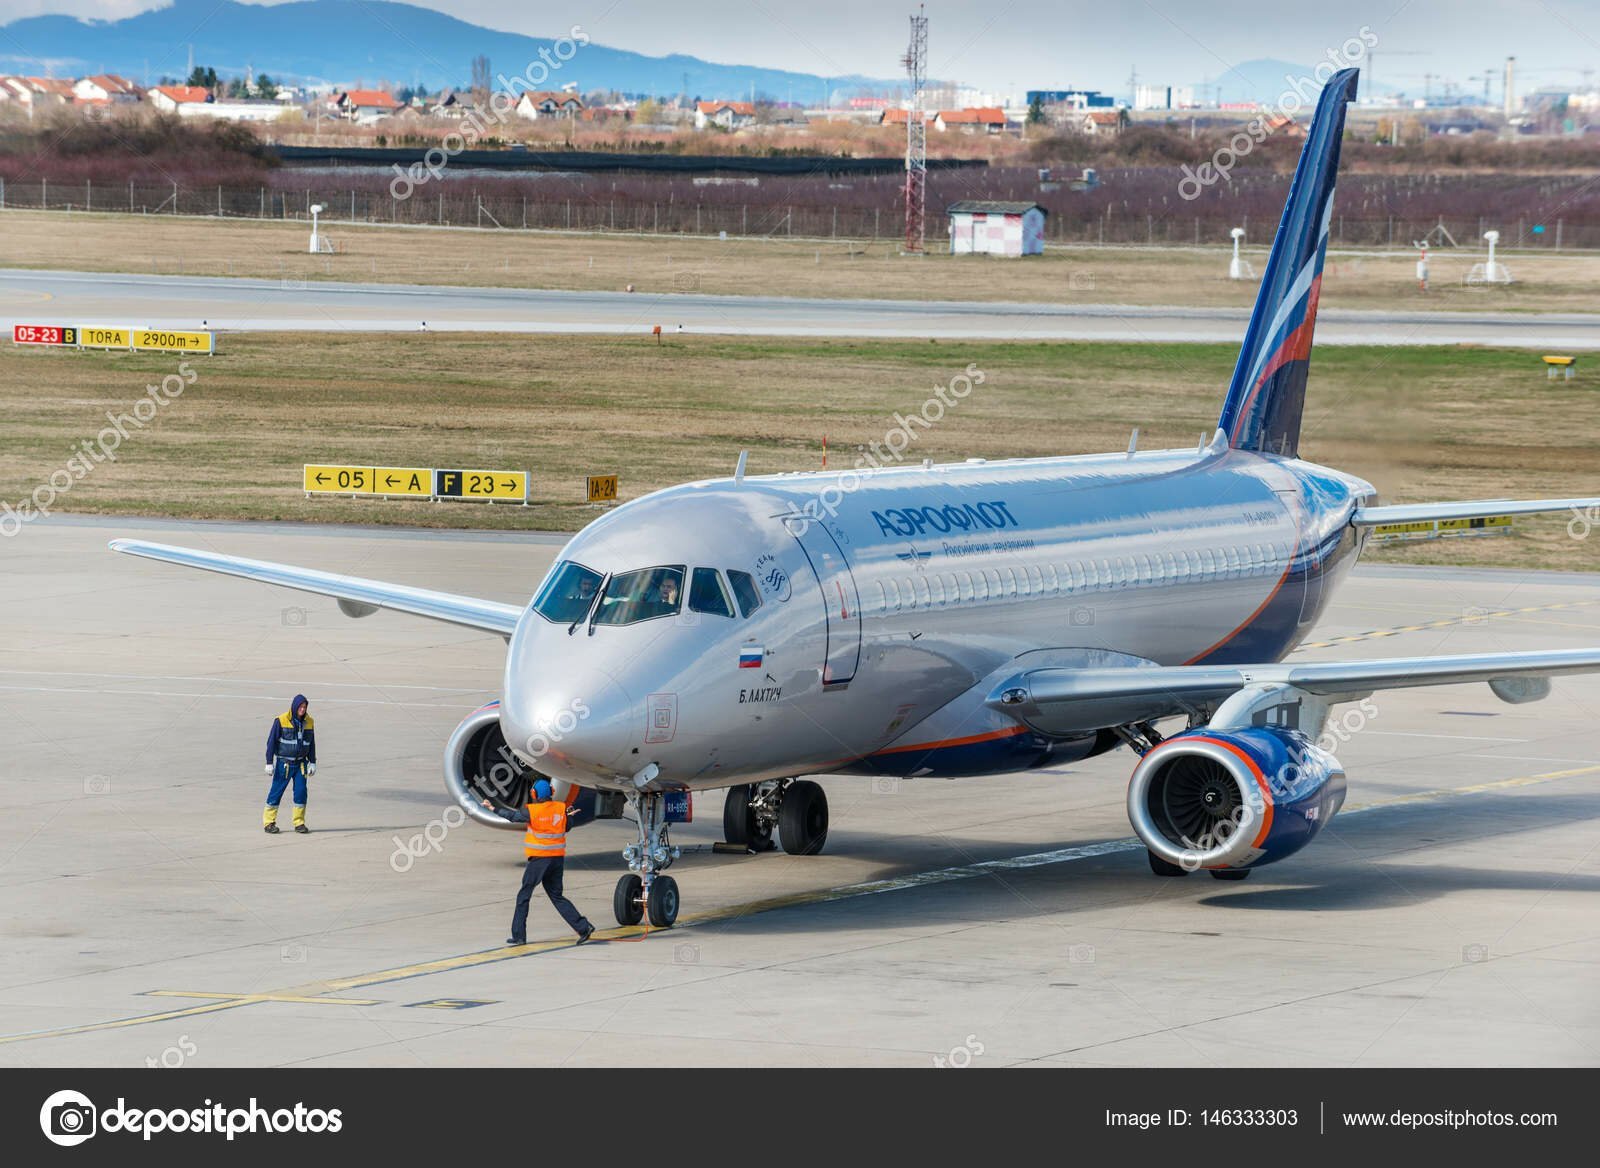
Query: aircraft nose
pixel 571 726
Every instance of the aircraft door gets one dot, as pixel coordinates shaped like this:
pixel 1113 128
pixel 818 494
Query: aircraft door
pixel 840 600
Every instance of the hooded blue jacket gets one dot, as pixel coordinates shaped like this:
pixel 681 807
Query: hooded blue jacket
pixel 293 739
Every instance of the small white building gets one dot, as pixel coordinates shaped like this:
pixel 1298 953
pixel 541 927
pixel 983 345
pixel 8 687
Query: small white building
pixel 107 88
pixel 992 227
pixel 545 104
pixel 171 98
pixel 728 115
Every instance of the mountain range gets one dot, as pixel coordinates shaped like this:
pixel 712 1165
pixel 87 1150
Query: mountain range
pixel 373 42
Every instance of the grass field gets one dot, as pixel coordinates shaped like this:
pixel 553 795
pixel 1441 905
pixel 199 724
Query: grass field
pixel 827 268
pixel 1420 423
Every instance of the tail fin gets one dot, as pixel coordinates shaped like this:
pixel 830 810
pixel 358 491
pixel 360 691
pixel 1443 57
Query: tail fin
pixel 1268 392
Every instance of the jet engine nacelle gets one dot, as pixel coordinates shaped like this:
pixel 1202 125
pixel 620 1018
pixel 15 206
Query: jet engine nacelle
pixel 1233 798
pixel 479 765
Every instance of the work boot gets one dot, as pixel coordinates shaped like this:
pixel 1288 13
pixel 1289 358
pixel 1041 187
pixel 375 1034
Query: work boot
pixel 271 828
pixel 301 829
pixel 516 940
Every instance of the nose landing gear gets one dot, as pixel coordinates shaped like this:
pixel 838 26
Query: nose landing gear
pixel 645 891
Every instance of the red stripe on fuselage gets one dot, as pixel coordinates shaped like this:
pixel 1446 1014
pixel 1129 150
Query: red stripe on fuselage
pixel 1296 347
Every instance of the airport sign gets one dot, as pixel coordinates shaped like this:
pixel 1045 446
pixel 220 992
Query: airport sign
pixel 169 340
pixel 407 482
pixel 337 480
pixel 603 488
pixel 493 486
pixel 95 337
pixel 43 334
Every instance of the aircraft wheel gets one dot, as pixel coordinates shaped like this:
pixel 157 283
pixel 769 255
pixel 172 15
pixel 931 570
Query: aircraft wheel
pixel 803 818
pixel 1229 873
pixel 663 902
pixel 1161 868
pixel 627 901
pixel 740 824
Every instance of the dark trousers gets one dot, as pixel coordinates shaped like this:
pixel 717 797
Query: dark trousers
pixel 546 870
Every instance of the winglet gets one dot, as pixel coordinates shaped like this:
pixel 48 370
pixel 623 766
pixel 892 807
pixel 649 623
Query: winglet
pixel 1267 396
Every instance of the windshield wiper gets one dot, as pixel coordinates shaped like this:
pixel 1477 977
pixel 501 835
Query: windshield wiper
pixel 599 596
pixel 592 605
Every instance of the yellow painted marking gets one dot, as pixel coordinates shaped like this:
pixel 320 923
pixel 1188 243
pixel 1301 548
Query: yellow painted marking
pixel 309 992
pixel 171 340
pixel 1447 622
pixel 337 480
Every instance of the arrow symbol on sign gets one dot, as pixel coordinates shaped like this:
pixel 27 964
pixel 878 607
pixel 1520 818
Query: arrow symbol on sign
pixel 322 477
pixel 388 480
pixel 511 484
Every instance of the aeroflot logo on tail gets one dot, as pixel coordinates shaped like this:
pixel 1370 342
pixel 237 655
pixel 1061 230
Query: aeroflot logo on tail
pixel 967 517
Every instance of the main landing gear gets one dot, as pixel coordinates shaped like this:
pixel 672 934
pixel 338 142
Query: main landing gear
pixel 645 891
pixel 796 808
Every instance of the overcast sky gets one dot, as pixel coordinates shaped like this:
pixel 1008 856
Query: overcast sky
pixel 1006 45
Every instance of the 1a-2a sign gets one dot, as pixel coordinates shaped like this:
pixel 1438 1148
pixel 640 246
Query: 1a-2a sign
pixel 43 334
pixel 603 488
pixel 504 486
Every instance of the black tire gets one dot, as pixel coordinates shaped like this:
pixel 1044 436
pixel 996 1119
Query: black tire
pixel 1161 868
pixel 1229 873
pixel 803 819
pixel 663 902
pixel 738 817
pixel 626 902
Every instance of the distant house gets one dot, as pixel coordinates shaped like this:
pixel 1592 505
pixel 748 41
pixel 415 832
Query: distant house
pixel 548 104
pixel 365 105
pixel 32 92
pixel 899 117
pixel 1106 123
pixel 987 120
pixel 728 115
pixel 453 105
pixel 991 227
pixel 167 98
pixel 1285 126
pixel 235 110
pixel 105 87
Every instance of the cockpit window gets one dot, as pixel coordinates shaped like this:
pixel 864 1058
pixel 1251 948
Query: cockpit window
pixel 708 594
pixel 641 595
pixel 568 594
pixel 744 587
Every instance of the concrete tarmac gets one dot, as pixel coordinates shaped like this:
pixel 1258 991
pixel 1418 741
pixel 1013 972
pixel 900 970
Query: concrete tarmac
pixel 190 302
pixel 1451 916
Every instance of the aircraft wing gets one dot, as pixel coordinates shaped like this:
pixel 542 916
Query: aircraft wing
pixel 356 596
pixel 1058 700
pixel 1475 509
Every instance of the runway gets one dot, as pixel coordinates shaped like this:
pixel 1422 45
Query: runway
pixel 33 297
pixel 1448 917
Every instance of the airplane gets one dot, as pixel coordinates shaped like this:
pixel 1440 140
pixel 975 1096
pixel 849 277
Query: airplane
pixel 960 619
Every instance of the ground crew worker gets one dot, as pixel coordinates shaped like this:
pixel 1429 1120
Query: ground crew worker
pixel 291 755
pixel 545 845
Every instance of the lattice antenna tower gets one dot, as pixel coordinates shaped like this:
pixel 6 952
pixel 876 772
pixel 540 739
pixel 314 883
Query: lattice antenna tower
pixel 916 65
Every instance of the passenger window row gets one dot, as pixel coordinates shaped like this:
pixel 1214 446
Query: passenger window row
pixel 944 589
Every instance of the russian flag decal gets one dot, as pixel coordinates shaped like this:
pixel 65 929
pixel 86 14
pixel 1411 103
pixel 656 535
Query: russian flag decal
pixel 750 657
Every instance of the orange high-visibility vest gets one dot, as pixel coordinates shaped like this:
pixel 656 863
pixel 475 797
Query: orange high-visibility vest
pixel 547 830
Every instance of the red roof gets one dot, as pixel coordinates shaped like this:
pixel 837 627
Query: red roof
pixel 370 97
pixel 183 94
pixel 1101 118
pixel 111 83
pixel 985 116
pixel 738 107
pixel 899 117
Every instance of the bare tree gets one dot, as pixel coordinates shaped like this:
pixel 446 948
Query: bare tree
pixel 480 81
